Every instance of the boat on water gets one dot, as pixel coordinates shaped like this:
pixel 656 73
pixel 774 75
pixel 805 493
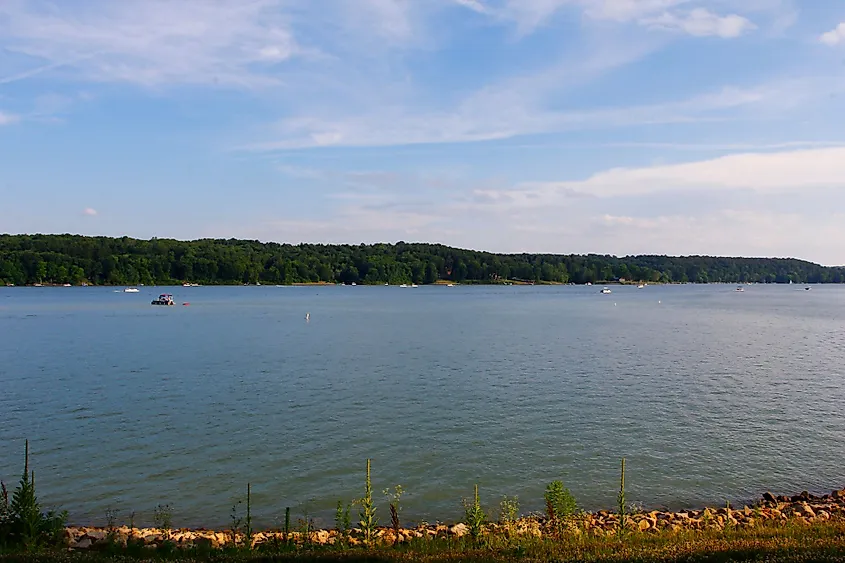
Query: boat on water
pixel 131 290
pixel 606 290
pixel 187 284
pixel 163 299
pixel 808 288
pixel 640 286
pixel 66 285
pixel 740 289
pixel 404 285
pixel 414 285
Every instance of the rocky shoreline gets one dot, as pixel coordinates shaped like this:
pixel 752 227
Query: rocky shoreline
pixel 803 509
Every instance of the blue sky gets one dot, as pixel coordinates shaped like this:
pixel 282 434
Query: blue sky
pixel 608 126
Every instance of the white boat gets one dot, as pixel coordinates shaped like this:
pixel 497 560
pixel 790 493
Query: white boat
pixel 450 285
pixel 606 290
pixel 404 285
pixel 588 283
pixel 353 283
pixel 740 289
pixel 414 285
pixel 66 285
pixel 131 290
pixel 640 286
pixel 807 288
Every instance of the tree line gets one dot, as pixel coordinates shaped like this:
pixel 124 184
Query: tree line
pixel 59 259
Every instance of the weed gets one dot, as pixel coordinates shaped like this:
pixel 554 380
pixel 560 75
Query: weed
pixel 237 522
pixel 22 523
pixel 248 521
pixel 560 506
pixel 474 516
pixel 393 499
pixel 111 525
pixel 343 523
pixel 620 501
pixel 287 524
pixel 163 518
pixel 368 522
pixel 509 514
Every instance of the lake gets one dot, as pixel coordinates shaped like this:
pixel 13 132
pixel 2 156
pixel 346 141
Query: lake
pixel 709 393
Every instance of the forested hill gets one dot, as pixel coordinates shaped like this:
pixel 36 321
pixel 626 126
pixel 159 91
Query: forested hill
pixel 28 259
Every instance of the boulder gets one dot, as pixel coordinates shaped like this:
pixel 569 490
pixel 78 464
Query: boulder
pixel 459 530
pixel 769 497
pixel 644 525
pixel 84 543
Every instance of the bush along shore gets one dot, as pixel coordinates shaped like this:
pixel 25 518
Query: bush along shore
pixel 562 531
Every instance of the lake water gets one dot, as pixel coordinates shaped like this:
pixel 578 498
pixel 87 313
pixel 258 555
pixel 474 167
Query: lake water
pixel 710 394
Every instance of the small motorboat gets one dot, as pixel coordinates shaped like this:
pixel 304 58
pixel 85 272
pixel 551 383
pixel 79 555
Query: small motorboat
pixel 740 289
pixel 640 286
pixel 606 291
pixel 163 299
pixel 131 290
pixel 807 288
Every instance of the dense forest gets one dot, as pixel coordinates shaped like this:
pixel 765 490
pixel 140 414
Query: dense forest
pixel 59 259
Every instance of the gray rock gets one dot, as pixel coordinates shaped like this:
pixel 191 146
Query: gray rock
pixel 84 543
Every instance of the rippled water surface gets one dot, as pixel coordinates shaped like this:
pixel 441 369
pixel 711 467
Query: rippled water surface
pixel 710 394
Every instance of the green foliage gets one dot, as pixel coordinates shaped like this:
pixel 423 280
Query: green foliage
pixel 560 506
pixel 27 259
pixel 474 516
pixel 22 522
pixel 368 521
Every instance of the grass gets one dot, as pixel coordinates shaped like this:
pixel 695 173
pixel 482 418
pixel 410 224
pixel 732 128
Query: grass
pixel 790 543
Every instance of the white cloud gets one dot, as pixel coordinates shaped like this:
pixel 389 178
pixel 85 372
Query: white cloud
pixel 8 118
pixel 90 211
pixel 835 36
pixel 701 23
pixel 775 172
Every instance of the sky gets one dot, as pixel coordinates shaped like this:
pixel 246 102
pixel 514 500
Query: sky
pixel 568 126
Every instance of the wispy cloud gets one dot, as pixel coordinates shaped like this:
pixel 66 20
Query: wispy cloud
pixel 8 118
pixel 701 23
pixel 694 17
pixel 150 42
pixel 835 36
pixel 89 211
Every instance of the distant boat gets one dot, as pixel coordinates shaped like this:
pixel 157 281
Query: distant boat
pixel 37 285
pixel 740 289
pixel 588 283
pixel 414 285
pixel 606 290
pixel 131 290
pixel 450 285
pixel 66 285
pixel 163 299
pixel 640 286
pixel 353 283
pixel 807 288
pixel 404 285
